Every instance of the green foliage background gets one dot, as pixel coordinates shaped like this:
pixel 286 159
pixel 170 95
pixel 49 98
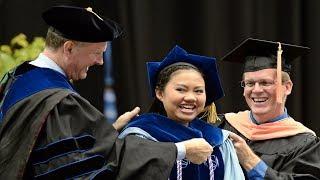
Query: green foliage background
pixel 18 51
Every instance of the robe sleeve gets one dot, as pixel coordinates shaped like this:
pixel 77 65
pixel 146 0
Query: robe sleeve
pixel 129 158
pixel 304 164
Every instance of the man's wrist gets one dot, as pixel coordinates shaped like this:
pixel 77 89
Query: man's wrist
pixel 251 162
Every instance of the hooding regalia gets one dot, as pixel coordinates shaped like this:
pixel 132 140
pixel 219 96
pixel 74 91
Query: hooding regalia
pixel 184 84
pixel 283 148
pixel 48 131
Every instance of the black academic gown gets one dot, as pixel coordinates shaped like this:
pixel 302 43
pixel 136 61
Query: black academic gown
pixel 294 157
pixel 55 133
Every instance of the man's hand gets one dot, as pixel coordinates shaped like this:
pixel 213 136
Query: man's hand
pixel 197 150
pixel 125 118
pixel 247 158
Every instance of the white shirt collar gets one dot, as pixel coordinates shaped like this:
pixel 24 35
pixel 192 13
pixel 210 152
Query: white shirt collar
pixel 45 62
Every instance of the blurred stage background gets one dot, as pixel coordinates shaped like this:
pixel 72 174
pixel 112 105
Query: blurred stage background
pixel 207 27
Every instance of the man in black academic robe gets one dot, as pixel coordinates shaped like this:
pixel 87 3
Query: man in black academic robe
pixel 47 130
pixel 281 148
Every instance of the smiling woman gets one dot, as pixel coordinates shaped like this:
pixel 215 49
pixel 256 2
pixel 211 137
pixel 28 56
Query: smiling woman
pixel 183 96
pixel 183 85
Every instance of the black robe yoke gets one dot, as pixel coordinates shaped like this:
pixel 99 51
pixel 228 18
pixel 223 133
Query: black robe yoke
pixel 294 157
pixel 55 133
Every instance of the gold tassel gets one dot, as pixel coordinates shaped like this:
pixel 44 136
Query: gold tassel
pixel 211 113
pixel 279 74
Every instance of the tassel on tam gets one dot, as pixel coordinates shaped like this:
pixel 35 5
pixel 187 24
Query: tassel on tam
pixel 211 113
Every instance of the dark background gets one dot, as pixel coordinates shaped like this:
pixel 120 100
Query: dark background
pixel 207 27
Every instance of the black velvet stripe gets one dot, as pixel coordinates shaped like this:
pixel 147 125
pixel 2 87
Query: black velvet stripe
pixel 61 147
pixel 85 142
pixel 74 169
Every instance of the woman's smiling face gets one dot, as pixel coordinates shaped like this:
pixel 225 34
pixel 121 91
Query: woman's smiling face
pixel 183 96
